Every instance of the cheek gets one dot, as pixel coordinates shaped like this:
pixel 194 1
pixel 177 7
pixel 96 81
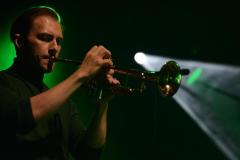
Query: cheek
pixel 40 50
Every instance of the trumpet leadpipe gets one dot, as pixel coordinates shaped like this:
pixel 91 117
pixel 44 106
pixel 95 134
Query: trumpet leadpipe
pixel 64 60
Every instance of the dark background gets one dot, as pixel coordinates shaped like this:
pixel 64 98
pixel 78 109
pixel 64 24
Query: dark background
pixel 147 126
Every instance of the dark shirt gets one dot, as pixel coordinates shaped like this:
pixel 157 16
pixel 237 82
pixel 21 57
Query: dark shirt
pixel 54 138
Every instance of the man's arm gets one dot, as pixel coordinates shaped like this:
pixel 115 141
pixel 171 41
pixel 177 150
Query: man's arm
pixel 48 102
pixel 97 130
pixel 96 133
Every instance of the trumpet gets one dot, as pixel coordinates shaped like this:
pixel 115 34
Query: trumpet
pixel 168 79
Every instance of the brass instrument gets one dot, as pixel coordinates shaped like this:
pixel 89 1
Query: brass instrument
pixel 168 79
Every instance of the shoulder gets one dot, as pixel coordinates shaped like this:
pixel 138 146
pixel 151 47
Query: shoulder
pixel 12 82
pixel 6 78
pixel 8 84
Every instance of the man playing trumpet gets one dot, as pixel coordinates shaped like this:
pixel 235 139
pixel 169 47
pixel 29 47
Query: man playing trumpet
pixel 42 123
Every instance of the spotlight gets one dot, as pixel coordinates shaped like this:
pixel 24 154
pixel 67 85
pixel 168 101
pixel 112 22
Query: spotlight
pixel 140 58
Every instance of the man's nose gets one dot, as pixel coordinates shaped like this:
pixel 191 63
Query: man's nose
pixel 54 47
pixel 55 44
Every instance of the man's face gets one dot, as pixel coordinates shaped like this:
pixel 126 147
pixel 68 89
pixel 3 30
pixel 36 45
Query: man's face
pixel 44 39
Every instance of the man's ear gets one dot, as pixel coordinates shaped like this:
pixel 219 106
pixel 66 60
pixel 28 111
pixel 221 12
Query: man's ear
pixel 18 41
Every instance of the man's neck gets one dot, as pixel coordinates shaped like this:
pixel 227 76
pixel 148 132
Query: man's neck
pixel 28 71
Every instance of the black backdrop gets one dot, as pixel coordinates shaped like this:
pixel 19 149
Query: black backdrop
pixel 148 126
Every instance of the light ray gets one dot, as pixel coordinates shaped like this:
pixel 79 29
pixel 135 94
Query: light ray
pixel 211 97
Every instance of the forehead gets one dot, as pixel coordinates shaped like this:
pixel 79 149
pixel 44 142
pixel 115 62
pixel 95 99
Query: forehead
pixel 46 24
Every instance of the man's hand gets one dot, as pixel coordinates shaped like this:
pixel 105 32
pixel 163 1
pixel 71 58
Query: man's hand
pixel 97 58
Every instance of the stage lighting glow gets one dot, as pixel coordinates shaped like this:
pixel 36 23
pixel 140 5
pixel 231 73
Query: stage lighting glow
pixel 140 58
pixel 194 76
pixel 210 96
pixel 7 52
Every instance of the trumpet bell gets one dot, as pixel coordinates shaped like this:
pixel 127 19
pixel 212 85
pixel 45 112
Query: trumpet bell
pixel 169 78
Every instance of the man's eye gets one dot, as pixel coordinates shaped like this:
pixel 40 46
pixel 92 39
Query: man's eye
pixel 59 41
pixel 45 37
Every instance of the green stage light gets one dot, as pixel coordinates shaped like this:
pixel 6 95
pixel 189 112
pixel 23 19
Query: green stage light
pixel 194 76
pixel 7 52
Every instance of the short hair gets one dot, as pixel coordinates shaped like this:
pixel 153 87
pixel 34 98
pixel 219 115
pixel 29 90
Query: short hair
pixel 23 23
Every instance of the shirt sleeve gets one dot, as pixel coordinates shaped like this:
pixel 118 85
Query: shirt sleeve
pixel 15 112
pixel 80 150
